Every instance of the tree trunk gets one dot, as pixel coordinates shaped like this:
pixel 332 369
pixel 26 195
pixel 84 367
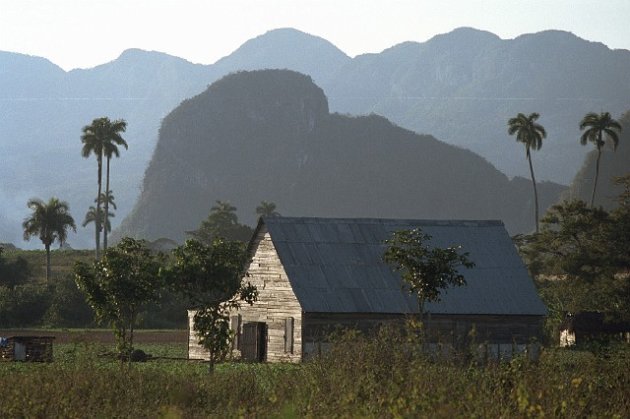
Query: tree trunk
pixel 531 170
pixel 599 154
pixel 98 207
pixel 47 263
pixel 106 217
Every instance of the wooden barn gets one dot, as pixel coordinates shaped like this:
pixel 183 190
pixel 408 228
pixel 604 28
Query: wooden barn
pixel 314 274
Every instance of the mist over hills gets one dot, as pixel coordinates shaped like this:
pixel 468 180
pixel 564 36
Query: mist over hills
pixel 268 135
pixel 460 87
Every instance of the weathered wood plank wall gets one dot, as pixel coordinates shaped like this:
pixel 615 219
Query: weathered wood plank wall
pixel 276 306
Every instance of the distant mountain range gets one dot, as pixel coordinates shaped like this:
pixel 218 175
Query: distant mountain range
pixel 460 87
pixel 268 135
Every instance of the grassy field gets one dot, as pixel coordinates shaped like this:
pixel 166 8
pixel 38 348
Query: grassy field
pixel 359 378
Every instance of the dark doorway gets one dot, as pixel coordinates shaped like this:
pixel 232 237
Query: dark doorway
pixel 254 342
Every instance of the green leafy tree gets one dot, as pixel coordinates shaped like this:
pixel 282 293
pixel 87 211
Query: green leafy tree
pixel 531 134
pixel 426 270
pixel 102 137
pixel 571 240
pixel 13 273
pixel 222 222
pixel 50 222
pixel 267 209
pixel 210 277
pixel 581 258
pixel 118 285
pixel 599 127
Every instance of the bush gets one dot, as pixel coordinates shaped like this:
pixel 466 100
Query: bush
pixel 23 305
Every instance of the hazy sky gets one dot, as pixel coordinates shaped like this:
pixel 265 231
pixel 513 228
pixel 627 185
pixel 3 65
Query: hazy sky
pixel 85 33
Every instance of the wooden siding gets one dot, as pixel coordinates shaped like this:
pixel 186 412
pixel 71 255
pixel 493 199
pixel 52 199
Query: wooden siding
pixel 195 351
pixel 453 330
pixel 276 303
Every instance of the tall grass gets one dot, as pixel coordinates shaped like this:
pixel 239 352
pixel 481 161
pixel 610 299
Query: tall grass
pixel 380 376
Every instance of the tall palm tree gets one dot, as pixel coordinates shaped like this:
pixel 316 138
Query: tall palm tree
pixel 101 138
pixel 530 133
pixel 596 127
pixel 50 221
pixel 111 149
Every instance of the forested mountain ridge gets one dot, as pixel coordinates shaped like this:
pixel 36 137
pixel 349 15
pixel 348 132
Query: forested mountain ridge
pixel 460 87
pixel 268 135
pixel 463 86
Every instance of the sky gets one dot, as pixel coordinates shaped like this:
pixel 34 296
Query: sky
pixel 86 33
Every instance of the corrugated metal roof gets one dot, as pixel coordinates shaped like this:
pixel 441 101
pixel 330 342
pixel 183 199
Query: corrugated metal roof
pixel 335 265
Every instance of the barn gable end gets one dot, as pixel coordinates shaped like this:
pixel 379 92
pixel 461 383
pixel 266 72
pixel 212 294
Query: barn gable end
pixel 276 314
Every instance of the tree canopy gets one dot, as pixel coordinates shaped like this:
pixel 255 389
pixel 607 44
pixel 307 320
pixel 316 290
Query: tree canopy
pixel 222 222
pixel 426 270
pixel 531 134
pixel 597 129
pixel 211 278
pixel 118 285
pixel 50 222
pixel 581 257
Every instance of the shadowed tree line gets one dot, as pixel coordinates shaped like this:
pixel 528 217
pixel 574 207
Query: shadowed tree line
pixel 581 257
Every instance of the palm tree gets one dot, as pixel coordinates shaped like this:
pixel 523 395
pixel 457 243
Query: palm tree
pixel 111 149
pixel 101 138
pixel 108 199
pixel 531 134
pixel 267 209
pixel 90 217
pixel 596 126
pixel 50 221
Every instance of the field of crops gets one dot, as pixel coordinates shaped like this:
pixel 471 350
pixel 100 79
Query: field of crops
pixel 360 377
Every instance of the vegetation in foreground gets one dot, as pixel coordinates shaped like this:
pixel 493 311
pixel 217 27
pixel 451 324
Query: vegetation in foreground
pixel 360 377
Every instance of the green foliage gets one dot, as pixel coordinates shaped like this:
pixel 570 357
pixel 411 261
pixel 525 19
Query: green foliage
pixel 67 306
pixel 23 305
pixel 102 138
pixel 267 209
pixel 531 134
pixel 222 222
pixel 118 285
pixel 572 241
pixel 50 221
pixel 598 128
pixel 362 376
pixel 210 277
pixel 90 217
pixel 426 270
pixel 13 272
pixel 581 259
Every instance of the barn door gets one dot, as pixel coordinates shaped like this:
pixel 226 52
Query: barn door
pixel 254 342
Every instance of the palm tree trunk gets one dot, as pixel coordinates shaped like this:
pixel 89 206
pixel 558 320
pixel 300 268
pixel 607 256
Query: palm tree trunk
pixel 531 170
pixel 106 207
pixel 47 246
pixel 98 207
pixel 599 154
